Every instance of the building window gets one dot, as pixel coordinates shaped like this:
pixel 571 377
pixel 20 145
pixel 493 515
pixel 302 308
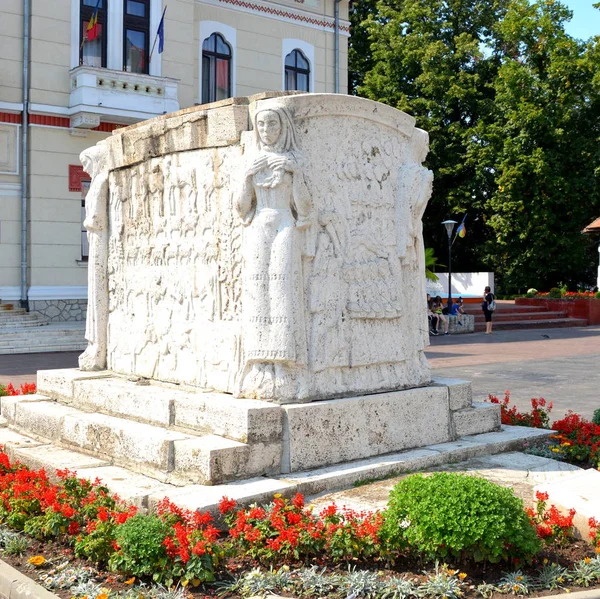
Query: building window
pixel 297 71
pixel 136 35
pixel 92 34
pixel 216 69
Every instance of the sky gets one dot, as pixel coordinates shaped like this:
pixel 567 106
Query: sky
pixel 586 19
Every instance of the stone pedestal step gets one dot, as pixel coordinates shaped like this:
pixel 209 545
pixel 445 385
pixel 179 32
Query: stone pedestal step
pixel 166 454
pixel 146 492
pixel 243 420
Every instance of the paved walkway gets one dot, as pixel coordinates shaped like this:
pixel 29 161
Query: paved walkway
pixel 561 365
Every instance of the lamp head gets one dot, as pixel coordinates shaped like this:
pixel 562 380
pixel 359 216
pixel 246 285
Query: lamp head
pixel 449 224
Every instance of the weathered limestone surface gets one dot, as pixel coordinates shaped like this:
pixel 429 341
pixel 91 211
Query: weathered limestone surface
pixel 256 302
pixel 268 247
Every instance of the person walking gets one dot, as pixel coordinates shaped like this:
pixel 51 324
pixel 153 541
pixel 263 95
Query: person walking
pixel 488 305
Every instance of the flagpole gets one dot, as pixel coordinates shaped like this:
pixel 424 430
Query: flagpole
pixel 94 14
pixel 156 36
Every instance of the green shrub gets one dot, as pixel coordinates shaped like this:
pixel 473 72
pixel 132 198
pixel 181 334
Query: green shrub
pixel 596 417
pixel 555 293
pixel 597 294
pixel 459 516
pixel 141 550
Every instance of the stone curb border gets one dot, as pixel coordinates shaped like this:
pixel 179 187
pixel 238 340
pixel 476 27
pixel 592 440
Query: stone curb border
pixel 16 585
pixel 591 594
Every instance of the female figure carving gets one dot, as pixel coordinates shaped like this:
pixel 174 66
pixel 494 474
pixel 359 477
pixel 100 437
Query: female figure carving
pixel 96 223
pixel 275 207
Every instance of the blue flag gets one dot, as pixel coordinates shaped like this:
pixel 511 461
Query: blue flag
pixel 161 33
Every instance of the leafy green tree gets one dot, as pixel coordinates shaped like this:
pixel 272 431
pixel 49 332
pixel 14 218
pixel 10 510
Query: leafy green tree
pixel 541 140
pixel 510 102
pixel 436 60
pixel 360 58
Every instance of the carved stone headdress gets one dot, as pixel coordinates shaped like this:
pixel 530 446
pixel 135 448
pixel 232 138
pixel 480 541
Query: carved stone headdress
pixel 287 138
pixel 94 159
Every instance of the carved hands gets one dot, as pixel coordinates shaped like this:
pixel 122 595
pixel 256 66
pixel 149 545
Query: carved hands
pixel 273 161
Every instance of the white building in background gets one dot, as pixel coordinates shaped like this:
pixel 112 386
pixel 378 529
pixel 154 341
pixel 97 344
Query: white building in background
pixel 59 96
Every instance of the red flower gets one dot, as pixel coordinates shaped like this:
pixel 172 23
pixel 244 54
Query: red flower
pixel 226 505
pixel 298 501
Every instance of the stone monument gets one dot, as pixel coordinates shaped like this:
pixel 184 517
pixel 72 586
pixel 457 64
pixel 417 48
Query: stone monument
pixel 258 264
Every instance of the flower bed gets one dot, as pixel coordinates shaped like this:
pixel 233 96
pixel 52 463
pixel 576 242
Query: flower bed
pixel 477 538
pixel 576 441
pixel 574 304
pixel 350 553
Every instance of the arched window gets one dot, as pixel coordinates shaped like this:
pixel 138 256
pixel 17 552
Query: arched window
pixel 297 71
pixel 216 69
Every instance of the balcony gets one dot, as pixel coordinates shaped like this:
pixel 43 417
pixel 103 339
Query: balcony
pixel 117 96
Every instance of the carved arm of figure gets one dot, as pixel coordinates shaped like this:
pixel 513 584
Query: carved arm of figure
pixel 301 196
pixel 244 202
pixel 96 208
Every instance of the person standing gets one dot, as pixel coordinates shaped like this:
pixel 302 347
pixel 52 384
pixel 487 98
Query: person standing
pixel 488 298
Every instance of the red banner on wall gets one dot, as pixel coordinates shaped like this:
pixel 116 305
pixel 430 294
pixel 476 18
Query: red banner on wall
pixel 76 175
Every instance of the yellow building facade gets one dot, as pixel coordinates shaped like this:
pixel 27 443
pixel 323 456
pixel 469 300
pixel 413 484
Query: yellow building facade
pixel 71 71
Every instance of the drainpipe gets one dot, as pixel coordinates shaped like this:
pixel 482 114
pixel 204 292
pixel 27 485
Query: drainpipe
pixel 25 153
pixel 336 49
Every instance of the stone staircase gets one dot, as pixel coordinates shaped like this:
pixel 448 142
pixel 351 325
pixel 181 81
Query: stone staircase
pixel 23 332
pixel 174 436
pixel 509 316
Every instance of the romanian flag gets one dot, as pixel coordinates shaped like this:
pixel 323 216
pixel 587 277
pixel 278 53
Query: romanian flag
pixel 93 27
pixel 461 231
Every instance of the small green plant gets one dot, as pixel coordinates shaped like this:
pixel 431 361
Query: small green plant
pixel 16 546
pixel 596 417
pixel 597 295
pixel 316 583
pixel 555 293
pixel 515 582
pixel 141 549
pixel 552 576
pixel 486 590
pixel 88 589
pixel 444 583
pixel 65 577
pixel 259 582
pixel 399 588
pixel 586 572
pixel 457 515
pixel 362 583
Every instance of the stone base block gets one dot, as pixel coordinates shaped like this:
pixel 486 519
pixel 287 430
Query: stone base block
pixel 342 430
pixel 481 418
pixel 581 492
pixel 59 383
pixel 460 393
pixel 243 420
pixel 467 326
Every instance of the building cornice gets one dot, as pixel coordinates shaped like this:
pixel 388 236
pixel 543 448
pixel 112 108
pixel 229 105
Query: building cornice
pixel 282 13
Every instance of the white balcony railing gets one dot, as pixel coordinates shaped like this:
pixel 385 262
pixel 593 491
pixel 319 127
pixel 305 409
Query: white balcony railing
pixel 117 96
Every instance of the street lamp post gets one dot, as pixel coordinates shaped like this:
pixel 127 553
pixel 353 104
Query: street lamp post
pixel 449 224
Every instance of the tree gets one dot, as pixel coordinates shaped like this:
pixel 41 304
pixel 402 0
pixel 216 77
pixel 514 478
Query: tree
pixel 435 59
pixel 542 140
pixel 510 102
pixel 360 58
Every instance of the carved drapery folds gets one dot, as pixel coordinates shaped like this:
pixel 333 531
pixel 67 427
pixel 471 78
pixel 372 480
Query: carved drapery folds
pixel 278 256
